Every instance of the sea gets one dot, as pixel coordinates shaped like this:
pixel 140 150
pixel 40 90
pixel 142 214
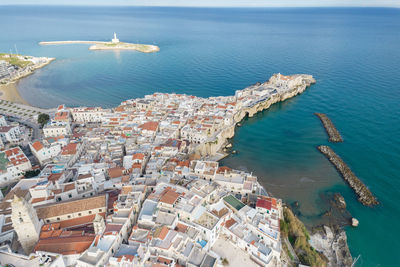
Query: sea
pixel 354 54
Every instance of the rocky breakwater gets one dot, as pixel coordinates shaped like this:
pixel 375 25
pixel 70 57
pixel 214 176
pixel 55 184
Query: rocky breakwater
pixel 334 135
pixel 364 194
pixel 254 99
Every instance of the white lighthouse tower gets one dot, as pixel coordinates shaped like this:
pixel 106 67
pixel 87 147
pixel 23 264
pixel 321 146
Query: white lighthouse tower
pixel 115 39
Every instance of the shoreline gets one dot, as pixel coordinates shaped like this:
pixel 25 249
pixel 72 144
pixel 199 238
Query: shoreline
pixel 9 90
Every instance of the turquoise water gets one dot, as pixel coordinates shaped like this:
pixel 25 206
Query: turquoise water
pixel 353 54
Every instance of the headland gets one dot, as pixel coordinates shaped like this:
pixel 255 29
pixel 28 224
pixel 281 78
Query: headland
pixel 14 67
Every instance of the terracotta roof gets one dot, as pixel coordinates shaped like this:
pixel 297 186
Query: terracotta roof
pixel 112 227
pixel 83 176
pixel 149 126
pixel 229 223
pixel 54 177
pixel 69 187
pixel 263 203
pixel 161 233
pixel 138 156
pixel 69 207
pixel 169 196
pixel 222 169
pixel 115 172
pixel 80 221
pixel 37 146
pixel 69 149
pixel 181 228
pixel 65 242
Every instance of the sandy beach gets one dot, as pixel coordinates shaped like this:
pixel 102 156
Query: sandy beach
pixel 10 92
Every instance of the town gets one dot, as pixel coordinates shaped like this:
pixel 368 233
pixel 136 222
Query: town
pixel 139 184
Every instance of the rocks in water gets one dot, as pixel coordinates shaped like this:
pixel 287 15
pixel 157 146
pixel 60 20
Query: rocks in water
pixel 335 210
pixel 354 222
pixel 239 124
pixel 364 195
pixel 339 201
pixel 228 145
pixel 332 242
pixel 334 135
pixel 234 152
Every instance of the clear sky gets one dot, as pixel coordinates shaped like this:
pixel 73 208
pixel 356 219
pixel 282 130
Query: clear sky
pixel 213 3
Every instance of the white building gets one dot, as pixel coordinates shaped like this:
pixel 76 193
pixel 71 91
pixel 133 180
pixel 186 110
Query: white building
pixel 45 154
pixel 10 134
pixel 13 165
pixel 85 114
pixel 58 128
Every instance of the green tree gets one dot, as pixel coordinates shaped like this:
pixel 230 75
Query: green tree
pixel 43 119
pixel 32 173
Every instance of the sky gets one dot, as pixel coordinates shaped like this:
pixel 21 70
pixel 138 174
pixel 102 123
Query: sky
pixel 213 3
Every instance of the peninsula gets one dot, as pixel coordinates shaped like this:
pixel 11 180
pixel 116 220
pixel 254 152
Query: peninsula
pixel 115 44
pixel 14 67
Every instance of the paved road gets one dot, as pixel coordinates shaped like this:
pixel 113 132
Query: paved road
pixel 36 132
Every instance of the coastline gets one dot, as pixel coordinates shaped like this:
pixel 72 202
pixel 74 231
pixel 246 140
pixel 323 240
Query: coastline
pixel 9 92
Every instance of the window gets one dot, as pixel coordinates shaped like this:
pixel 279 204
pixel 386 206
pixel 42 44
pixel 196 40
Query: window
pixel 100 210
pixel 79 214
pixel 70 195
pixel 47 221
pixel 90 212
pixel 58 218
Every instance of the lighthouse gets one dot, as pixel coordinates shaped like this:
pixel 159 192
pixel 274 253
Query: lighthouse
pixel 115 39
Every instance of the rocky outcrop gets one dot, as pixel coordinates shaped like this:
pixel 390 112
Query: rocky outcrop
pixel 334 135
pixel 364 195
pixel 332 242
pixel 293 229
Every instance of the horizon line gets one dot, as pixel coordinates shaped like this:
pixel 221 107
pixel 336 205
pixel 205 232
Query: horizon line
pixel 200 6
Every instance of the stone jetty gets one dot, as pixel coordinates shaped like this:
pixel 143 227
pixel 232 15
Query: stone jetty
pixel 334 135
pixel 364 195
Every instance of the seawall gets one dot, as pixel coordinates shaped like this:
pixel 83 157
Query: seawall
pixel 334 135
pixel 364 194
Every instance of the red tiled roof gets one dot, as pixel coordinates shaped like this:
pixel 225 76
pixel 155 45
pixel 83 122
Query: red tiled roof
pixel 37 146
pixel 69 149
pixel 149 126
pixel 169 196
pixel 115 172
pixel 70 243
pixel 263 203
pixel 229 223
pixel 138 156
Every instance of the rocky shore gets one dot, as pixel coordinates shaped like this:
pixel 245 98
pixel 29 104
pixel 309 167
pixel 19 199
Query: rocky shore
pixel 334 135
pixel 364 194
pixel 332 243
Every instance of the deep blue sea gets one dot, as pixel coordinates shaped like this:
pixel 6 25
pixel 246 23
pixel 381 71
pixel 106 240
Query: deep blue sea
pixel 354 53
